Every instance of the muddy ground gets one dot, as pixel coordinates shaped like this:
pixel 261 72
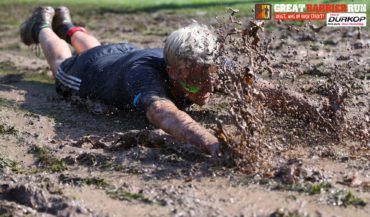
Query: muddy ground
pixel 65 158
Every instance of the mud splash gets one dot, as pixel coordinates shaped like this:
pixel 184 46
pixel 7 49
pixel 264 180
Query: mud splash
pixel 240 57
pixel 312 173
pixel 245 55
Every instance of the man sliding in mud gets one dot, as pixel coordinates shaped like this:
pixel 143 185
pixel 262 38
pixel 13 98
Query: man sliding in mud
pixel 156 81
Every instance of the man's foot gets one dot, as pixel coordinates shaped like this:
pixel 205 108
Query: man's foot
pixel 30 29
pixel 62 22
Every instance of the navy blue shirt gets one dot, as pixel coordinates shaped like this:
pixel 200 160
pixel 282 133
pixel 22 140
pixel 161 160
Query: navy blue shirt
pixel 118 74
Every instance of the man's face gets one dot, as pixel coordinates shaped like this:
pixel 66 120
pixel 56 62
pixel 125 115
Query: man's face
pixel 196 81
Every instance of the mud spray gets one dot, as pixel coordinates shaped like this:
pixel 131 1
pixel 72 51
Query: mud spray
pixel 244 56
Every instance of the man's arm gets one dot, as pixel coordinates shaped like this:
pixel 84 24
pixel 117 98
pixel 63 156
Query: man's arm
pixel 166 116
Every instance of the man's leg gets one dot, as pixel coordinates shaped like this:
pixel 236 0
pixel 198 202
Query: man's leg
pixel 76 36
pixel 82 41
pixel 37 30
pixel 55 49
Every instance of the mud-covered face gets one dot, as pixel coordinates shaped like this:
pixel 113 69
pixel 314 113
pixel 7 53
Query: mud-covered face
pixel 196 81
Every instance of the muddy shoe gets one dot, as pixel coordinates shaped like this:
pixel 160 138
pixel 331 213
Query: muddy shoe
pixel 62 21
pixel 30 29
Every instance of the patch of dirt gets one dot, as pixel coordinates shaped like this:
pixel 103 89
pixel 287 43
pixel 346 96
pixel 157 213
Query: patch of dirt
pixel 65 158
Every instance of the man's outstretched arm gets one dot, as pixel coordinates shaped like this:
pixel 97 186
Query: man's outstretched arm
pixel 166 116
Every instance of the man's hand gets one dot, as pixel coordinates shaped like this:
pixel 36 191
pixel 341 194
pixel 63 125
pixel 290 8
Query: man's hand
pixel 166 116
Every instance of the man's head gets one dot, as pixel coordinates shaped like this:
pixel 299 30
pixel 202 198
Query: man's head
pixel 189 53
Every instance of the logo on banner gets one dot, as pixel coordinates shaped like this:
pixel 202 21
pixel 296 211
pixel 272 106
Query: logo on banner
pixel 346 19
pixel 334 14
pixel 263 11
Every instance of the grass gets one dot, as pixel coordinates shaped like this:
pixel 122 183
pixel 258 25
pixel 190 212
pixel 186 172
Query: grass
pixel 87 159
pixel 46 161
pixel 11 164
pixel 316 188
pixel 319 187
pixel 110 166
pixel 337 197
pixel 7 130
pixel 15 76
pixel 126 6
pixel 213 7
pixel 99 162
pixel 110 190
pixel 38 78
pixel 83 10
pixel 166 4
pixel 346 198
pixel 119 194
pixel 9 69
pixel 8 103
pixel 95 181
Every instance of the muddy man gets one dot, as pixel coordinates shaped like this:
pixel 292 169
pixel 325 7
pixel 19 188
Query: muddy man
pixel 156 81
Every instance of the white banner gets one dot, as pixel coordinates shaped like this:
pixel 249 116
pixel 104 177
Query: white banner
pixel 346 19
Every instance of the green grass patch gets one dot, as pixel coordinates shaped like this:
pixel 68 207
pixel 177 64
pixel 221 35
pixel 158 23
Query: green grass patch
pixel 8 104
pixel 10 74
pixel 316 188
pixel 162 4
pixel 12 165
pixel 110 166
pixel 150 6
pixel 337 197
pixel 119 194
pixel 95 181
pixel 125 6
pixel 39 78
pixel 7 130
pixel 87 159
pixel 6 67
pixel 98 161
pixel 46 161
pixel 110 190
pixel 86 10
pixel 11 77
pixel 346 198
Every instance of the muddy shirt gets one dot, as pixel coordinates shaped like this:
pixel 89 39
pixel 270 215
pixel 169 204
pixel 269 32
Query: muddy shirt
pixel 119 75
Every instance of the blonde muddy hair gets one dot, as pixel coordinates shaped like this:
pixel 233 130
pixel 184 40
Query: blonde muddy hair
pixel 195 42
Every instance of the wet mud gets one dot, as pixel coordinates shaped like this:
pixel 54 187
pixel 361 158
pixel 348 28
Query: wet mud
pixel 70 157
